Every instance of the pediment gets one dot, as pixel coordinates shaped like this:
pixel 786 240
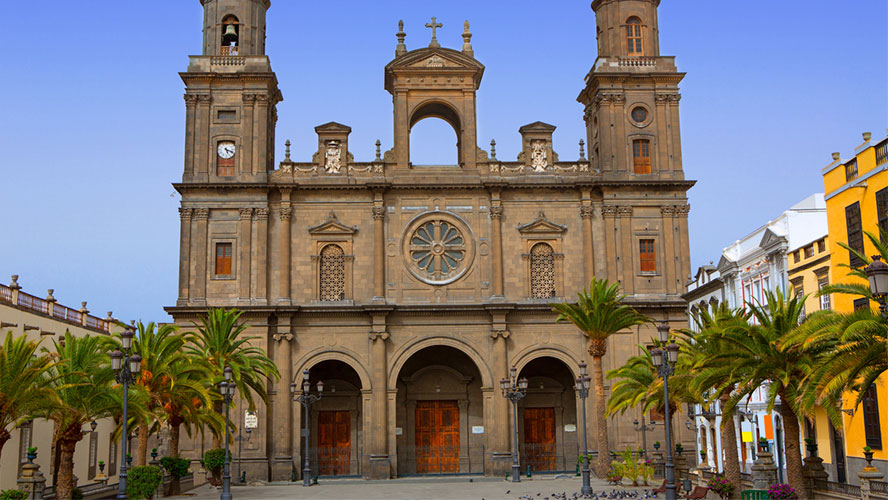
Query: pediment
pixel 333 226
pixel 333 127
pixel 537 127
pixel 434 58
pixel 541 225
pixel 771 239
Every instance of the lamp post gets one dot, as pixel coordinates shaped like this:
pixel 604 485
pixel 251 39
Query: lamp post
pixel 306 399
pixel 643 428
pixel 877 274
pixel 582 387
pixel 240 447
pixel 126 368
pixel 664 360
pixel 514 389
pixel 227 388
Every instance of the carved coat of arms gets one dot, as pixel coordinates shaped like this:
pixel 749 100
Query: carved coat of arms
pixel 333 158
pixel 538 157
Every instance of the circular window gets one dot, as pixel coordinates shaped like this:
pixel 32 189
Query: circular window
pixel 438 248
pixel 639 115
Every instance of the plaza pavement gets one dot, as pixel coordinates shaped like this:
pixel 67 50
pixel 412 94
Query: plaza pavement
pixel 446 488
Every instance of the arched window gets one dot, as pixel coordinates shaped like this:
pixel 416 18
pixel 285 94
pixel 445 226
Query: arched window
pixel 542 271
pixel 230 33
pixel 633 36
pixel 641 156
pixel 332 279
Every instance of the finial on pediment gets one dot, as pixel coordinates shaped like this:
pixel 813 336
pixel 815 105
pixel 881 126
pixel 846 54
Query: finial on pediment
pixel 492 149
pixel 378 150
pixel 467 41
pixel 332 216
pixel 400 49
pixel 287 151
pixel 582 150
pixel 541 216
pixel 434 25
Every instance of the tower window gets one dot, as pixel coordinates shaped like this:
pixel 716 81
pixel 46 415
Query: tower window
pixel 223 259
pixel 542 271
pixel 230 32
pixel 225 152
pixel 641 156
pixel 855 233
pixel 648 256
pixel 633 36
pixel 851 170
pixel 332 277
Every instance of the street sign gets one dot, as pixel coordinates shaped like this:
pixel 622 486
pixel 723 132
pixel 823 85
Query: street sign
pixel 251 420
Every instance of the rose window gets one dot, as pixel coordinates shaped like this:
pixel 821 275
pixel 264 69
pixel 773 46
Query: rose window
pixel 438 250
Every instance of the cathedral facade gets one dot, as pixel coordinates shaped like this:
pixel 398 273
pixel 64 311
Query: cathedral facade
pixel 411 291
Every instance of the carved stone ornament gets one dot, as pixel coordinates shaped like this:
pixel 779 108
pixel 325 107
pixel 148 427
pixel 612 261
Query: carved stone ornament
pixel 246 213
pixel 496 212
pixel 586 212
pixel 261 214
pixel 538 157
pixel 624 211
pixel 609 210
pixel 203 213
pixel 278 337
pixel 378 213
pixel 379 336
pixel 333 157
pixel 438 248
pixel 667 211
pixel 185 213
pixel 500 333
pixel 286 213
pixel 190 99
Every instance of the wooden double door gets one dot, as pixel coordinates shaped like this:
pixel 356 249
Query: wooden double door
pixel 437 437
pixel 539 439
pixel 334 443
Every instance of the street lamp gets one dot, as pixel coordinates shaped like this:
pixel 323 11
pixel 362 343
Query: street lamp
pixel 582 387
pixel 307 400
pixel 877 274
pixel 126 369
pixel 227 388
pixel 514 389
pixel 664 360
pixel 240 447
pixel 643 428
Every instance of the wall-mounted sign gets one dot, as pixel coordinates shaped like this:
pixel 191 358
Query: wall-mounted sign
pixel 570 428
pixel 398 431
pixel 251 420
pixel 477 429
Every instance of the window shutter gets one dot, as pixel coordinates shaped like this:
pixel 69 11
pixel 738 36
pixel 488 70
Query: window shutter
pixel 871 419
pixel 855 232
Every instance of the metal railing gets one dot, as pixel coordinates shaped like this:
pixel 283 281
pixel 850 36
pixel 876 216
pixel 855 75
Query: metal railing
pixel 879 486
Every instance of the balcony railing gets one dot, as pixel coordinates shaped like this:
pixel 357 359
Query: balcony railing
pixel 52 309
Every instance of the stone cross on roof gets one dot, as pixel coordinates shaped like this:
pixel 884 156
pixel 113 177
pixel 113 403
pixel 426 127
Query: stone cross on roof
pixel 434 25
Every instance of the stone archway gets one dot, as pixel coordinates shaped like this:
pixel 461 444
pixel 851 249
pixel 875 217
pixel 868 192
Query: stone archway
pixel 436 109
pixel 408 350
pixel 439 412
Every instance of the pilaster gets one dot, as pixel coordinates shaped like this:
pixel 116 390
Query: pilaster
pixel 244 243
pixel 286 213
pixel 586 214
pixel 378 214
pixel 190 106
pixel 260 257
pixel 200 256
pixel 496 243
pixel 283 436
pixel 185 215
pixel 379 463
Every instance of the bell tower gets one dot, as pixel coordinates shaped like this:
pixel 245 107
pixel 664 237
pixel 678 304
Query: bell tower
pixel 631 96
pixel 231 96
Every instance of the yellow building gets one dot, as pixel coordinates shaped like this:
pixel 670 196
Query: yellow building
pixel 809 271
pixel 856 193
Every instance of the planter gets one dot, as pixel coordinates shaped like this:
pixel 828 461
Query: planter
pixel 868 456
pixel 31 457
pixel 764 446
pixel 657 446
pixel 812 449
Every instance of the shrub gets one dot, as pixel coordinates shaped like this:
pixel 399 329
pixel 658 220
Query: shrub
pixel 782 492
pixel 720 486
pixel 142 482
pixel 176 467
pixel 214 460
pixel 76 494
pixel 13 495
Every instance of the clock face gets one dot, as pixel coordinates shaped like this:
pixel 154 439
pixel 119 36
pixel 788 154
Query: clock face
pixel 226 150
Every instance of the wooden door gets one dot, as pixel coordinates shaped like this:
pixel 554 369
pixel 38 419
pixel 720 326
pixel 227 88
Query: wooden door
pixel 334 443
pixel 539 439
pixel 437 437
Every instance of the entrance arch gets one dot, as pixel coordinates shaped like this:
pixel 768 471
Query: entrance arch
pixel 549 432
pixel 430 112
pixel 409 350
pixel 335 420
pixel 439 412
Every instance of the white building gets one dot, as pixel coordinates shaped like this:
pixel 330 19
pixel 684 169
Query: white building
pixel 754 264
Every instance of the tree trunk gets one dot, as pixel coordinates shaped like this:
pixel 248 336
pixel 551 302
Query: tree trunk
pixel 65 486
pixel 602 465
pixel 175 487
pixel 731 459
pixel 142 452
pixel 4 437
pixel 792 447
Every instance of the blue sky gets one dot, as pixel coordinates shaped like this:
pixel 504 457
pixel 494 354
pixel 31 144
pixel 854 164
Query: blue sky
pixel 92 133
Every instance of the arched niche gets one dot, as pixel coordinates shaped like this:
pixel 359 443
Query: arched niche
pixel 440 110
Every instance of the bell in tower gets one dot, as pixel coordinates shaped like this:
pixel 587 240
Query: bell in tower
pixel 234 27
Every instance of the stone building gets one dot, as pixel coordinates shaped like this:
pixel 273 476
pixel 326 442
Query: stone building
pixel 410 291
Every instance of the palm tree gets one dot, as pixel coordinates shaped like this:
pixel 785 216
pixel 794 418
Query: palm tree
pixel 218 343
pixel 23 382
pixel 760 355
pixel 81 392
pixel 600 313
pixel 711 377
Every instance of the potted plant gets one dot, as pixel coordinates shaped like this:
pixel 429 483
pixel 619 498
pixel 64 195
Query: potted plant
pixel 679 449
pixel 702 455
pixel 32 454
pixel 720 486
pixel 129 460
pixel 657 445
pixel 868 455
pixel 782 492
pixel 811 446
pixel 101 468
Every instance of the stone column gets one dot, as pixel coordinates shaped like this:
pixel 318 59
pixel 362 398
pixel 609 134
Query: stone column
pixel 586 212
pixel 198 292
pixel 244 235
pixel 684 262
pixel 284 283
pixel 247 146
pixel 203 122
pixel 609 214
pixel 500 425
pixel 282 434
pixel 260 257
pixel 260 147
pixel 629 251
pixel 814 472
pixel 868 474
pixel 599 239
pixel 31 481
pixel 190 105
pixel 668 249
pixel 380 465
pixel 764 471
pixel 378 252
pixel 496 247
pixel 185 215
